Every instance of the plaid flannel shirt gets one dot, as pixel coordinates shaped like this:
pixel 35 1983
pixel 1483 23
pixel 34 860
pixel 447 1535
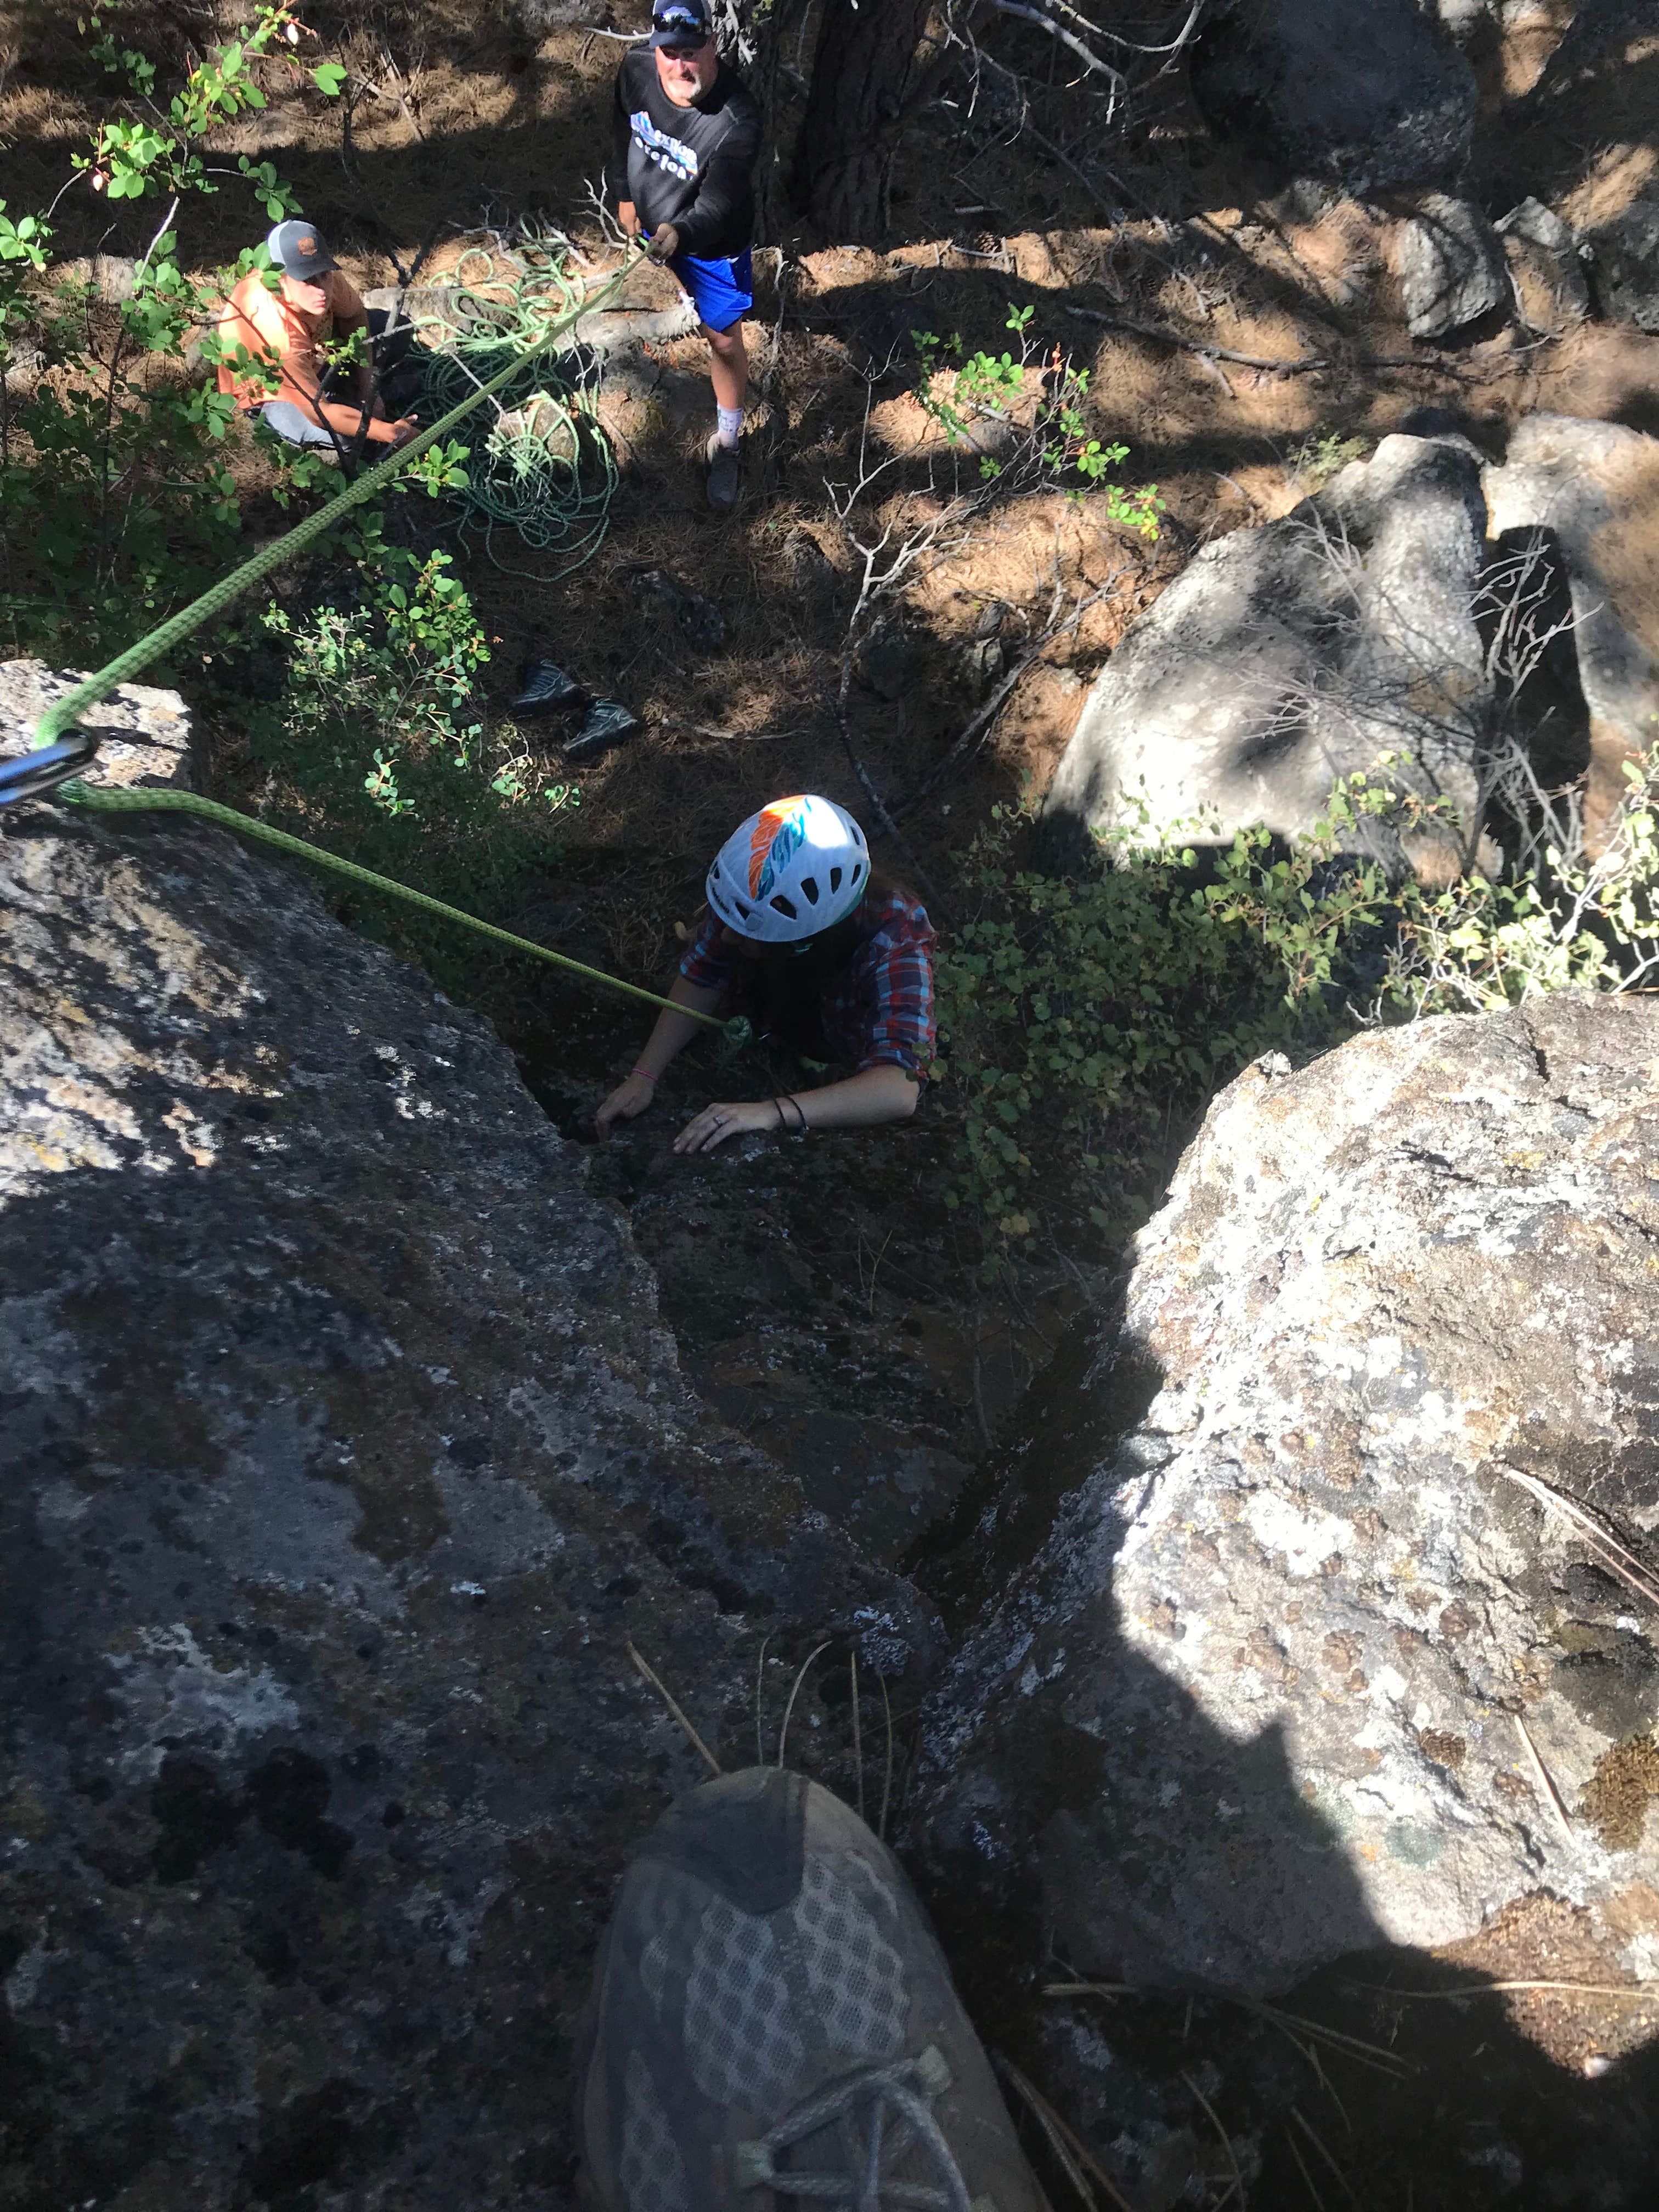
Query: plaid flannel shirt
pixel 877 1010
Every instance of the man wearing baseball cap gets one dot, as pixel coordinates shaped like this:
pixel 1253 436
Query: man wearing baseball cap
pixel 687 138
pixel 314 307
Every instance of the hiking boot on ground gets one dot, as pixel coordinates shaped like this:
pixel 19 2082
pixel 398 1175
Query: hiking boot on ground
pixel 724 475
pixel 772 2013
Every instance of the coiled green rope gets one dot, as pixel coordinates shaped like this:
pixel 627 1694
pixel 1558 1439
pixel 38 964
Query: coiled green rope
pixel 546 470
pixel 61 716
pixel 125 665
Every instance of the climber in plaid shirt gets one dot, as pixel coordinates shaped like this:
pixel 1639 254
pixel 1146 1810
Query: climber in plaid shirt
pixel 832 960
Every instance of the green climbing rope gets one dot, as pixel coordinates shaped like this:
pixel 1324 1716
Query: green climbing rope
pixel 62 714
pixel 546 470
pixel 134 801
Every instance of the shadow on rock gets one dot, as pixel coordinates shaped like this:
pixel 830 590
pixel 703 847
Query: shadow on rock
pixel 1262 1639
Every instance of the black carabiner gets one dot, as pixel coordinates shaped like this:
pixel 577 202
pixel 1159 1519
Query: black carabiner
pixel 33 774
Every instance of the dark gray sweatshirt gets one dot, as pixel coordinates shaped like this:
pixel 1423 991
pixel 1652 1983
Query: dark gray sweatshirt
pixel 692 167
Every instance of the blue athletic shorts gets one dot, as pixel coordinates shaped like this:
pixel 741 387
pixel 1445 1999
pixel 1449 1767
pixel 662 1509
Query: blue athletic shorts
pixel 723 290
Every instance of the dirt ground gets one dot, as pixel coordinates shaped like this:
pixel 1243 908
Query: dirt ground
pixel 841 1333
pixel 1200 250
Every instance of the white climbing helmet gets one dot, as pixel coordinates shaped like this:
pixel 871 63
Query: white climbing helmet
pixel 799 867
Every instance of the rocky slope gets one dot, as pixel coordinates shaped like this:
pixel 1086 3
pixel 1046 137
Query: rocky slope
pixel 1415 607
pixel 1261 1680
pixel 346 1455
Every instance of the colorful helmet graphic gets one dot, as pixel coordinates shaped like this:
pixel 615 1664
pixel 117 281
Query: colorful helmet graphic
pixel 798 867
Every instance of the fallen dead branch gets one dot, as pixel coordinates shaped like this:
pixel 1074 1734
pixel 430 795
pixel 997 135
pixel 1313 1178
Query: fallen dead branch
pixel 1334 2039
pixel 1610 1551
pixel 979 727
pixel 1304 364
pixel 1298 365
pixel 1638 1992
pixel 1552 1795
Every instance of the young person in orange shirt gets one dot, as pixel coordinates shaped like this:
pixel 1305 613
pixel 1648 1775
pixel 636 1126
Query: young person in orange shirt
pixel 315 305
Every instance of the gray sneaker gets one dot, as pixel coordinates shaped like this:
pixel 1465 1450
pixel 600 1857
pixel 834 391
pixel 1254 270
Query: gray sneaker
pixel 771 2011
pixel 724 475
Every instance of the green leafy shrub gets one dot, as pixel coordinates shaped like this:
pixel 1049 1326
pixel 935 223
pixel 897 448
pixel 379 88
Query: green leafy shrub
pixel 1323 454
pixel 116 501
pixel 1054 447
pixel 1086 1023
pixel 359 730
pixel 347 711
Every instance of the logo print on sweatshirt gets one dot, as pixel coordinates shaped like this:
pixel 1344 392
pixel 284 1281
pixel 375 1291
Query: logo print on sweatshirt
pixel 780 830
pixel 671 154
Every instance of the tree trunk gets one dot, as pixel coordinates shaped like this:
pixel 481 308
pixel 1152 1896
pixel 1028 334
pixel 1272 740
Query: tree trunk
pixel 868 66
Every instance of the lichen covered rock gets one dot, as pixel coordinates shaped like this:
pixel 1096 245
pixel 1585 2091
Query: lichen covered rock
pixel 1250 1693
pixel 1594 488
pixel 1451 266
pixel 143 733
pixel 345 1453
pixel 1285 656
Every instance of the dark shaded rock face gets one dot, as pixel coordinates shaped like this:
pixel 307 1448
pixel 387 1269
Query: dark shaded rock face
pixel 344 1454
pixel 1626 264
pixel 1285 656
pixel 1544 259
pixel 1451 266
pixel 1244 1698
pixel 1593 488
pixel 1361 94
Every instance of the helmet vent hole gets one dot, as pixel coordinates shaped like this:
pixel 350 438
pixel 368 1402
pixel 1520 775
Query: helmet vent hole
pixel 834 881
pixel 787 907
pixel 858 873
pixel 810 885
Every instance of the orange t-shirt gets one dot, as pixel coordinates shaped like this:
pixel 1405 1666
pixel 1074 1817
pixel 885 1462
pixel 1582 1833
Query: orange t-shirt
pixel 269 323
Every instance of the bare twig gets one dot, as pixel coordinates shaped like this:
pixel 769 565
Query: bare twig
pixel 657 1684
pixel 161 230
pixel 783 1733
pixel 1638 1994
pixel 887 1778
pixel 1071 2151
pixel 1302 2169
pixel 1048 2120
pixel 1342 2181
pixel 1552 1795
pixel 1069 39
pixel 1215 2122
pixel 1615 1556
pixel 1334 2039
pixel 858 1734
pixel 1174 46
pixel 760 1672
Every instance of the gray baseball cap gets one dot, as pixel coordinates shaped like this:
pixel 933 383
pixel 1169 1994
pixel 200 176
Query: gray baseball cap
pixel 298 250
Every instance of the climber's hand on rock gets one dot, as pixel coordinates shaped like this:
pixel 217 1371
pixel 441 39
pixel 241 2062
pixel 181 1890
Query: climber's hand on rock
pixel 626 1100
pixel 716 1124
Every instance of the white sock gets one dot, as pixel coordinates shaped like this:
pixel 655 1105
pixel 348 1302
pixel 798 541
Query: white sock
pixel 731 427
